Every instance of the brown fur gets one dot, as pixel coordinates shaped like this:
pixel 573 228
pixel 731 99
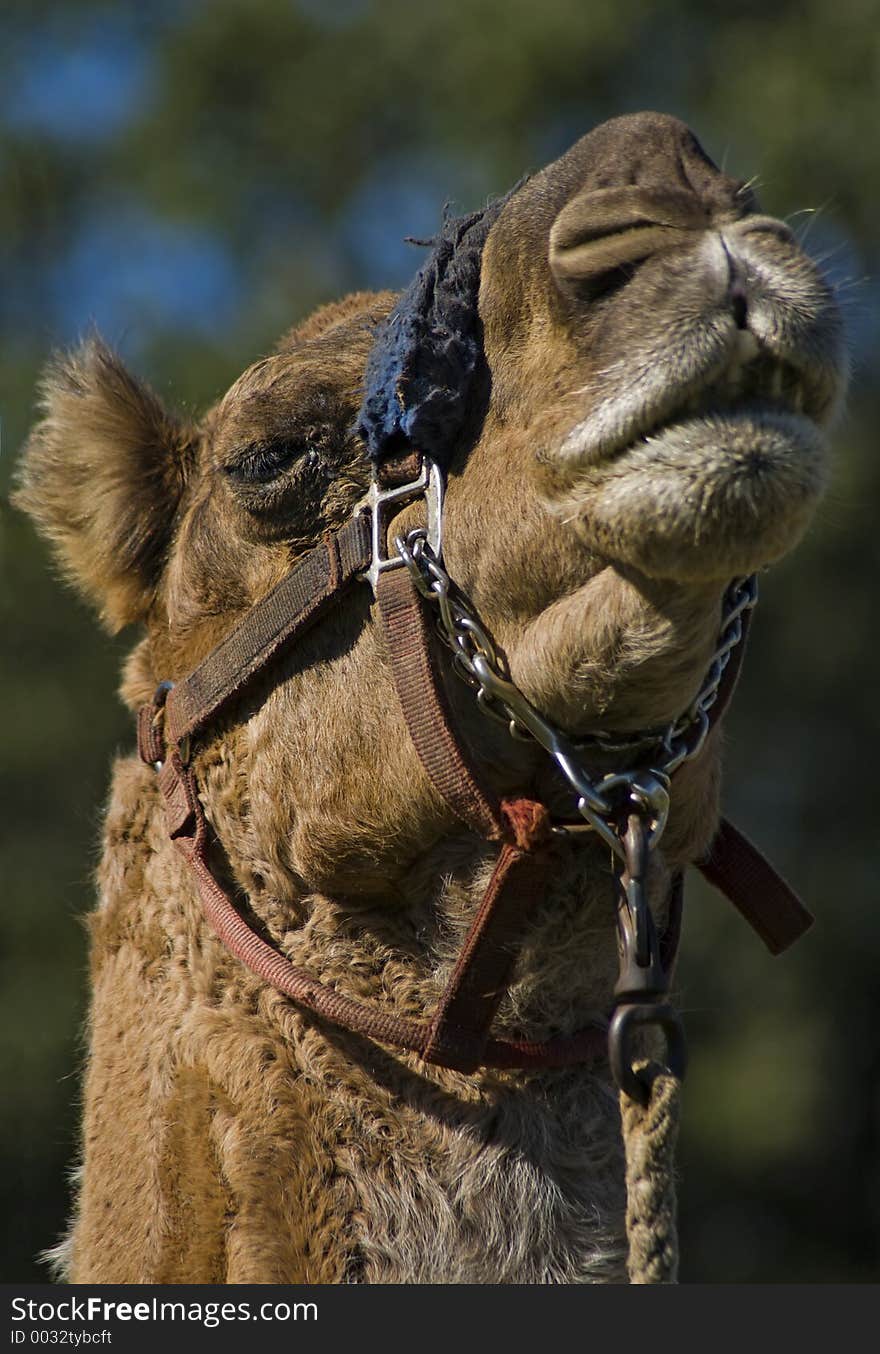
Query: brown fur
pixel 594 524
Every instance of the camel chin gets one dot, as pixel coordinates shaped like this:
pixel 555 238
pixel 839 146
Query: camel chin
pixel 707 497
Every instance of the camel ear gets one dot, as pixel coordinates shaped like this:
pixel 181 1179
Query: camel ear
pixel 102 477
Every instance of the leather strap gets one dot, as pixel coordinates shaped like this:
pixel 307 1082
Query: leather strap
pixel 459 1029
pixel 286 612
pixel 188 829
pixel 738 870
pixel 736 867
pixel 410 650
pixel 398 468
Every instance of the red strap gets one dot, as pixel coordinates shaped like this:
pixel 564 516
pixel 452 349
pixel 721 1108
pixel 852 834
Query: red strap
pixel 459 1029
pixel 151 732
pixel 188 828
pixel 738 869
pixel 419 686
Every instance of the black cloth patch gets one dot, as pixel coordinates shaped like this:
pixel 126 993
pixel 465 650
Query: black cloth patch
pixel 423 359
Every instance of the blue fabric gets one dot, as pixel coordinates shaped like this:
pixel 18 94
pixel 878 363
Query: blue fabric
pixel 425 353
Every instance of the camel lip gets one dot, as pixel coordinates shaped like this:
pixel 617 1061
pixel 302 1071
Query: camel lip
pixel 706 497
pixel 759 412
pixel 760 385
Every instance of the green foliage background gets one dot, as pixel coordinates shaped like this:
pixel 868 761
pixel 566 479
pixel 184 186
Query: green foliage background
pixel 194 177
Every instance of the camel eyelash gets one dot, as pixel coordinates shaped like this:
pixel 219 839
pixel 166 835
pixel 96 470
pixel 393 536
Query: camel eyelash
pixel 266 461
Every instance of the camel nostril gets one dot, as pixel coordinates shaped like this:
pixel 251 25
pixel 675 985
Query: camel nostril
pixel 739 304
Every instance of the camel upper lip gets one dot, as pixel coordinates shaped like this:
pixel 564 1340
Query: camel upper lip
pixel 767 383
pixel 750 377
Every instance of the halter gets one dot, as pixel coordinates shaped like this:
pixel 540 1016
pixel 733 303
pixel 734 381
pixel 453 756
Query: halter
pixel 417 381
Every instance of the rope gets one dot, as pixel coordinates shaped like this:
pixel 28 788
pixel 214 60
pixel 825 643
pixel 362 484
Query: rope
pixel 650 1135
pixel 425 354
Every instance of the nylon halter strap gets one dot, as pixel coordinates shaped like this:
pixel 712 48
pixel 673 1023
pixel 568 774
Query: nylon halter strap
pixel 458 1034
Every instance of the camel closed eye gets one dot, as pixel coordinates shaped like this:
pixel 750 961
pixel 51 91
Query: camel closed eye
pixel 264 462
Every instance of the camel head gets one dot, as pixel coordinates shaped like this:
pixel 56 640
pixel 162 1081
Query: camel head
pixel 658 363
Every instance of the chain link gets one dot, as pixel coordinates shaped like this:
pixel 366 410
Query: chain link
pixel 478 662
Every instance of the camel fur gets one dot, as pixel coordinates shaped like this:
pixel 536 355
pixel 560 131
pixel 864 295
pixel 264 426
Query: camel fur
pixel 659 362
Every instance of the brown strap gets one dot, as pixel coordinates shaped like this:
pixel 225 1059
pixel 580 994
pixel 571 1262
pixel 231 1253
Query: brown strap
pixel 293 604
pixel 151 730
pixel 425 706
pixel 459 1029
pixel 402 467
pixel 588 1045
pixel 188 828
pixel 738 869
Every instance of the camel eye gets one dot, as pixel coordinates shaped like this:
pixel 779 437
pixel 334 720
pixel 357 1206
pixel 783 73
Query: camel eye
pixel 609 280
pixel 264 462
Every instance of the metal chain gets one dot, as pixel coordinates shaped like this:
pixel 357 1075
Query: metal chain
pixel 477 661
pixel 684 739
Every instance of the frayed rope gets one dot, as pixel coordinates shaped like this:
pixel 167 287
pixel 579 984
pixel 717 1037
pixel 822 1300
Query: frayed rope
pixel 420 369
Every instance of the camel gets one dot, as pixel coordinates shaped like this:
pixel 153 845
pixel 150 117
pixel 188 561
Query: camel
pixel 628 407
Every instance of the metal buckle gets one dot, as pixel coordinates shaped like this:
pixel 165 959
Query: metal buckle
pixel 641 973
pixel 377 500
pixel 614 797
pixel 642 982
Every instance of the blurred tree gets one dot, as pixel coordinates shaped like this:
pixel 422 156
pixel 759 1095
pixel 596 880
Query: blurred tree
pixel 195 177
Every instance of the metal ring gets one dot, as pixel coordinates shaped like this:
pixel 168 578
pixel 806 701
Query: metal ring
pixel 631 1016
